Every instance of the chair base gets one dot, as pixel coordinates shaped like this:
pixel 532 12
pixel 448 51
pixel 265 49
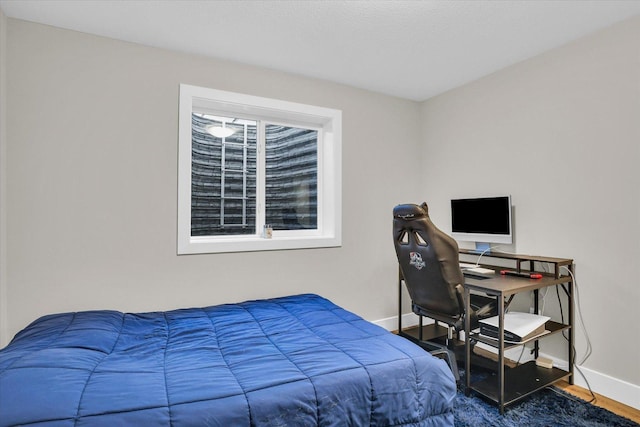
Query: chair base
pixel 439 349
pixel 428 338
pixel 434 341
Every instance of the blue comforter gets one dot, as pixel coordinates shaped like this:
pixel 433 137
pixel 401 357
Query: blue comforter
pixel 292 361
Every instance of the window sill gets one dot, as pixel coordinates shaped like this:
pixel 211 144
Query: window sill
pixel 199 245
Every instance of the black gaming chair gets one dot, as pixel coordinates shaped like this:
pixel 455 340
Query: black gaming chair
pixel 430 267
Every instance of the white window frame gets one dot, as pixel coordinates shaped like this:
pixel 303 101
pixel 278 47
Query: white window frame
pixel 329 124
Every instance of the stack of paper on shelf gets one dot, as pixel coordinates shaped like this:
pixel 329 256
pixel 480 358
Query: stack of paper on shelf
pixel 518 327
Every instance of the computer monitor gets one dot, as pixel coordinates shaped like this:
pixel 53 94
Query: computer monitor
pixel 483 220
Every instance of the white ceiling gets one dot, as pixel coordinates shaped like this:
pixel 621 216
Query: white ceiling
pixel 410 49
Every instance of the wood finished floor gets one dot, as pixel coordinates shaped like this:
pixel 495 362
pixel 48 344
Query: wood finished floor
pixel 601 401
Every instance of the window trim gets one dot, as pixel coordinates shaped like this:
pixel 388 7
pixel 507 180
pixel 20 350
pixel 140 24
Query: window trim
pixel 329 123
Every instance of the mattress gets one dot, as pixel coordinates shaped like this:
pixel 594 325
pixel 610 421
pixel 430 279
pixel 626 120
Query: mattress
pixel 292 361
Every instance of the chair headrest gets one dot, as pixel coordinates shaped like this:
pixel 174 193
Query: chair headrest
pixel 409 212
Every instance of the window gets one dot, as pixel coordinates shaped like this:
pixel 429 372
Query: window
pixel 256 173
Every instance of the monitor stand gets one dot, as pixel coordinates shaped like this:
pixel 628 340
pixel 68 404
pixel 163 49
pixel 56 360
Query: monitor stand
pixel 483 248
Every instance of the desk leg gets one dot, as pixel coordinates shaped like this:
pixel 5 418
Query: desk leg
pixel 536 310
pixel 572 328
pixel 467 341
pixel 501 354
pixel 399 302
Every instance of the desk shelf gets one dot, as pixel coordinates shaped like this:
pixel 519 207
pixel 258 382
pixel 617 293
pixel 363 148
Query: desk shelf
pixel 519 382
pixel 551 328
pixel 520 260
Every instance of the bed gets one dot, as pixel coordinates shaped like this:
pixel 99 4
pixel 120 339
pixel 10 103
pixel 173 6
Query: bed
pixel 292 361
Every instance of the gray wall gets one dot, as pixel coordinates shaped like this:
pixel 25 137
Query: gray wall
pixel 3 180
pixel 92 167
pixel 561 134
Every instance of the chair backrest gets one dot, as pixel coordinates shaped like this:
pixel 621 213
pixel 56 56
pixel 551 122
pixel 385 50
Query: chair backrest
pixel 429 262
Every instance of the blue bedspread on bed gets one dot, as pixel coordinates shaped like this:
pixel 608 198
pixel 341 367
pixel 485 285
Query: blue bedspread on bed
pixel 292 361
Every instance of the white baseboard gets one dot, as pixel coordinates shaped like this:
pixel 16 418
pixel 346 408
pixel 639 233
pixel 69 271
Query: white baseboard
pixel 613 388
pixel 606 385
pixel 391 323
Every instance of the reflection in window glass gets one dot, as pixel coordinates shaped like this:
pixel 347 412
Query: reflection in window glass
pixel 224 170
pixel 291 177
pixel 223 176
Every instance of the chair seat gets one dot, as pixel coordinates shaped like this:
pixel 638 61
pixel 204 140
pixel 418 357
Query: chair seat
pixel 481 307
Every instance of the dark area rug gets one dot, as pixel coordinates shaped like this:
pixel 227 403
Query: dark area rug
pixel 545 408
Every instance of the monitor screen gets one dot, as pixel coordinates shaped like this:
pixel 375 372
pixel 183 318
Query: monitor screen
pixel 482 219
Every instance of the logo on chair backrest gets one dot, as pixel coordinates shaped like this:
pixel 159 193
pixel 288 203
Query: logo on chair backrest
pixel 416 260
